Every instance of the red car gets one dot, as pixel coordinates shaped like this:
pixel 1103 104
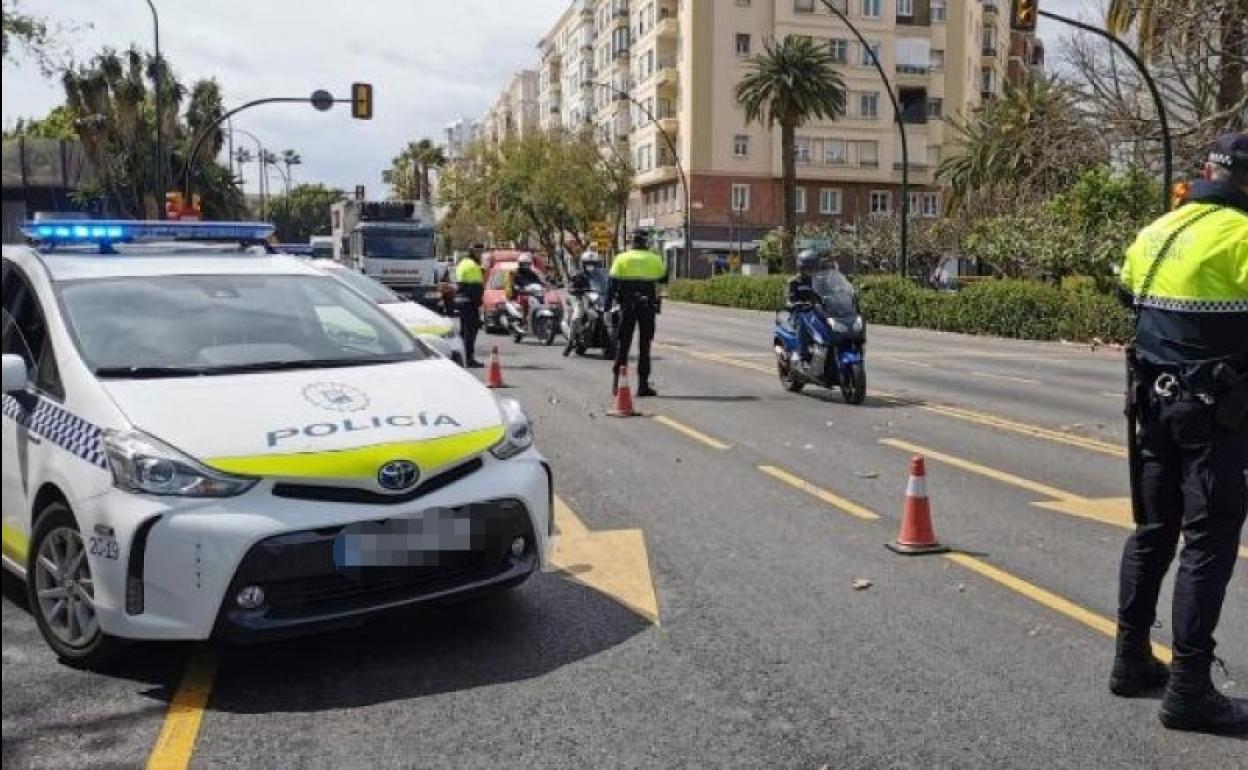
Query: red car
pixel 497 265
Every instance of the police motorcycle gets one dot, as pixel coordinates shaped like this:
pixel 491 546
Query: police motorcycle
pixel 586 322
pixel 826 316
pixel 541 320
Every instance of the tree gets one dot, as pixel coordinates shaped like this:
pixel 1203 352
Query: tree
pixel 791 82
pixel 57 124
pixel 1028 144
pixel 111 101
pixel 409 172
pixel 304 212
pixel 33 35
pixel 1218 29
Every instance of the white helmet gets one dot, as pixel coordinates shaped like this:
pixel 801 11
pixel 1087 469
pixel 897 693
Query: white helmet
pixel 590 259
pixel 525 260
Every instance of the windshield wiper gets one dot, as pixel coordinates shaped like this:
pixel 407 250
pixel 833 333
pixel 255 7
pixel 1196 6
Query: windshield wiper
pixel 149 372
pixel 304 363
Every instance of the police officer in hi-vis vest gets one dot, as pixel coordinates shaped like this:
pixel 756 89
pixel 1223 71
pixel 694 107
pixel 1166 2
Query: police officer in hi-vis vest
pixel 634 277
pixel 1187 277
pixel 469 294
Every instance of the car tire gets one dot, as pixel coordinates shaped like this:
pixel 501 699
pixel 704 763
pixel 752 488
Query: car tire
pixel 89 648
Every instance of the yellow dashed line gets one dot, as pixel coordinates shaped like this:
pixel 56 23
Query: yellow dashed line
pixel 832 499
pixel 692 433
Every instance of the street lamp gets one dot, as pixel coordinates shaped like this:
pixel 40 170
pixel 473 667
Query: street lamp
pixel 680 169
pixel 244 156
pixel 161 176
pixel 903 264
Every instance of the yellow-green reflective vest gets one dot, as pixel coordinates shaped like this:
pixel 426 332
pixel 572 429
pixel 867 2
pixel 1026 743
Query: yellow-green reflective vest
pixel 1206 269
pixel 638 265
pixel 468 271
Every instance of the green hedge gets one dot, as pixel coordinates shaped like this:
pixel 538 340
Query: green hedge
pixel 1020 309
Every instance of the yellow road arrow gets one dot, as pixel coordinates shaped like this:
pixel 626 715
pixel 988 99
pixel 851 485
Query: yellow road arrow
pixel 613 563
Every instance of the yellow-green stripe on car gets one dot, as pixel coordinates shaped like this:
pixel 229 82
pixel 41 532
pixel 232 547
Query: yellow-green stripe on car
pixel 16 544
pixel 435 330
pixel 430 456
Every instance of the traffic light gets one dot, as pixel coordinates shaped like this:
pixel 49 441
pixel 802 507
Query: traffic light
pixel 1023 15
pixel 362 101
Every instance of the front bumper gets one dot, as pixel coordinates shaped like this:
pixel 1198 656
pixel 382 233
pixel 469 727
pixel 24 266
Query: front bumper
pixel 194 555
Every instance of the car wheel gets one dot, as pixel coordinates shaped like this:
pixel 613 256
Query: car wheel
pixel 61 591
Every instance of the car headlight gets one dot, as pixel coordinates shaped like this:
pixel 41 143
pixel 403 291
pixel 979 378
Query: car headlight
pixel 517 435
pixel 145 465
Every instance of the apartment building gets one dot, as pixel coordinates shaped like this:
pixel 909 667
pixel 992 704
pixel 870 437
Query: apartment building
pixel 458 136
pixel 515 112
pixel 656 79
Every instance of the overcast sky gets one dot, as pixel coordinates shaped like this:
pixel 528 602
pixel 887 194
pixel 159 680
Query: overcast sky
pixel 430 61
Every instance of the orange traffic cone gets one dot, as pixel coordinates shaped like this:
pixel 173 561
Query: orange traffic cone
pixel 916 535
pixel 623 396
pixel 494 373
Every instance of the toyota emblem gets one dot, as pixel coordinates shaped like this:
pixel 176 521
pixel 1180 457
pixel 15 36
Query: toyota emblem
pixel 398 475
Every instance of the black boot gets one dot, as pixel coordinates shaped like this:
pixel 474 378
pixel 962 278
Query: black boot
pixel 1192 702
pixel 1136 670
pixel 645 391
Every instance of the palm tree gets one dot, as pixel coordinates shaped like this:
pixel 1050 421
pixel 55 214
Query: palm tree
pixel 429 157
pixel 791 82
pixel 1152 20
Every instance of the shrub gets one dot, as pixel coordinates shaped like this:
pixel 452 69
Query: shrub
pixel 1010 308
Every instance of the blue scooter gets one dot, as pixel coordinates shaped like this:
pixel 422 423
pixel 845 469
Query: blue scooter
pixel 835 336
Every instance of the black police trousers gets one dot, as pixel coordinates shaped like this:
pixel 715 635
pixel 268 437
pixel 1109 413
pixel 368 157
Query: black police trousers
pixel 469 325
pixel 635 317
pixel 1193 479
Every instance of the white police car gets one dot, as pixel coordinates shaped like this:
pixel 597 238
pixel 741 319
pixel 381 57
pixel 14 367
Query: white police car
pixel 441 334
pixel 208 440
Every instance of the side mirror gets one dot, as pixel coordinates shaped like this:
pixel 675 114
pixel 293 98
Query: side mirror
pixel 15 375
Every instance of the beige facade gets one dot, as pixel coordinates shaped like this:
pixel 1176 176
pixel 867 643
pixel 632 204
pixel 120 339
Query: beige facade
pixel 515 112
pixel 679 62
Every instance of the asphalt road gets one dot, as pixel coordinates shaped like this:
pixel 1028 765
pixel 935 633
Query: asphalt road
pixel 761 511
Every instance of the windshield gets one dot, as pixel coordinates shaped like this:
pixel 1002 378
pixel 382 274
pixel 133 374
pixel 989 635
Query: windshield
pixel 398 243
pixel 365 285
pixel 181 325
pixel 597 280
pixel 837 293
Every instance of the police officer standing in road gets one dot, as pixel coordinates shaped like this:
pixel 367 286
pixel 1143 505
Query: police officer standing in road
pixel 633 279
pixel 1187 277
pixel 469 294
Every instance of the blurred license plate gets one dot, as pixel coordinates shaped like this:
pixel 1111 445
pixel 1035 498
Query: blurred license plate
pixel 421 541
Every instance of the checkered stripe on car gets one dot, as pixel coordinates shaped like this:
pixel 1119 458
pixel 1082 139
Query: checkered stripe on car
pixel 68 431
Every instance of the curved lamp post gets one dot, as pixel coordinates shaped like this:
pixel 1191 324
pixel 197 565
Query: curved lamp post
pixel 903 265
pixel 161 175
pixel 680 169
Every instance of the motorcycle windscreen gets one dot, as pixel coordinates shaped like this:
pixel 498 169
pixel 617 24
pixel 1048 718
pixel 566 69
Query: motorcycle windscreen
pixel 836 293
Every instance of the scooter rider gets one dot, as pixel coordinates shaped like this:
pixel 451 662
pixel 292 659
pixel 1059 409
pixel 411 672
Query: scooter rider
pixel 578 285
pixel 634 275
pixel 801 289
pixel 469 294
pixel 523 276
pixel 1187 277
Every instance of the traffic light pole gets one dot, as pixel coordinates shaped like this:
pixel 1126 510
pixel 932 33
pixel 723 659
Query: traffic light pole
pixel 903 264
pixel 1166 148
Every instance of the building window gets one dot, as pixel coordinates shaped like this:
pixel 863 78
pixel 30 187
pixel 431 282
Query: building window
pixel 834 152
pixel 829 201
pixel 839 51
pixel 867 61
pixel 937 60
pixel 871 8
pixel 881 202
pixel 799 200
pixel 869 105
pixel 869 154
pixel 743 3
pixel 801 149
pixel 804 6
pixel 938 10
pixel 743 44
pixel 986 81
pixel 925 205
pixel 740 197
pixel 935 108
pixel 741 146
pixel 905 7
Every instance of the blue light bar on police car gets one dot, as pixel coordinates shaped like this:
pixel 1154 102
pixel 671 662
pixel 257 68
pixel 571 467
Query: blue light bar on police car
pixel 71 231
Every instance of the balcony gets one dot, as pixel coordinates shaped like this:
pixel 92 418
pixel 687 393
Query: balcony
pixel 989 51
pixel 656 175
pixel 670 125
pixel 622 54
pixel 990 6
pixel 668 27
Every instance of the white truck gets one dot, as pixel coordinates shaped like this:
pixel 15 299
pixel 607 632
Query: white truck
pixel 391 241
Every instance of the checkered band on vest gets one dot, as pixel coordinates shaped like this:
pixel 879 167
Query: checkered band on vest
pixel 1196 305
pixel 68 431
